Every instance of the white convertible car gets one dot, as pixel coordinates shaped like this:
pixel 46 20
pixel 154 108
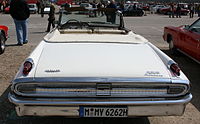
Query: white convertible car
pixel 95 67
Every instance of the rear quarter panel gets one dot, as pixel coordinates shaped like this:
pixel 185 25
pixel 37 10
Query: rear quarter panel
pixel 34 56
pixel 167 61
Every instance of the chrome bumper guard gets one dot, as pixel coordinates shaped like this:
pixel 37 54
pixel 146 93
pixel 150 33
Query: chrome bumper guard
pixel 70 107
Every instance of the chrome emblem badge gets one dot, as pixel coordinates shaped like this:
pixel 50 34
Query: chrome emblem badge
pixel 103 89
pixel 153 73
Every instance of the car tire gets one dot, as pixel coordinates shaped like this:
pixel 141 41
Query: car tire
pixel 172 48
pixel 2 43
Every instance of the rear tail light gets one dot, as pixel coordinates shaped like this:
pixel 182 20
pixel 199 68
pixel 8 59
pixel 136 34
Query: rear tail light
pixel 27 67
pixel 175 69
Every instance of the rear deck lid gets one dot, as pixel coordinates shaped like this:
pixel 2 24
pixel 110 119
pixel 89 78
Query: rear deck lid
pixel 100 60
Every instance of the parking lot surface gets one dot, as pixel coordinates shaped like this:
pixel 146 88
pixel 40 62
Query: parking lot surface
pixel 150 26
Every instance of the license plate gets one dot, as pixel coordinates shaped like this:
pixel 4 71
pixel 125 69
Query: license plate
pixel 103 112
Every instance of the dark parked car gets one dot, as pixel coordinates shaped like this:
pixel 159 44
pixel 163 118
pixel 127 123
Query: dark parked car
pixel 133 11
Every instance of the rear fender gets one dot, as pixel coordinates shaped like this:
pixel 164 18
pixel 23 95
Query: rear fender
pixel 167 61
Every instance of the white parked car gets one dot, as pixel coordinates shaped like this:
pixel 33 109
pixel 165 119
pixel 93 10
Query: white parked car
pixel 33 8
pixel 86 5
pixel 47 9
pixel 95 67
pixel 158 7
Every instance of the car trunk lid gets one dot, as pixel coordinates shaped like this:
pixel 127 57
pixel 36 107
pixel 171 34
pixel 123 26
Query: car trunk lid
pixel 100 60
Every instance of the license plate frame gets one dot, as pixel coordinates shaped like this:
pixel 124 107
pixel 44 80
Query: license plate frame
pixel 103 111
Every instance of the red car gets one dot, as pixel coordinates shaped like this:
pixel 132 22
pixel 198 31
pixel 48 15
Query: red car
pixel 185 39
pixel 60 2
pixel 166 11
pixel 3 37
pixel 146 7
pixel 7 10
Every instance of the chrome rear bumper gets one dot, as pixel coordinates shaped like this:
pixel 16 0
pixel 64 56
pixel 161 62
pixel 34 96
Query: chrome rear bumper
pixel 70 107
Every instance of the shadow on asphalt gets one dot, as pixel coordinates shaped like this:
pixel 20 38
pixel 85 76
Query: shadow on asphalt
pixel 6 108
pixel 41 32
pixel 10 45
pixel 192 70
pixel 63 120
pixel 9 116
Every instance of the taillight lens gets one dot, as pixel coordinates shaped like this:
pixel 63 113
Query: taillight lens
pixel 27 67
pixel 175 69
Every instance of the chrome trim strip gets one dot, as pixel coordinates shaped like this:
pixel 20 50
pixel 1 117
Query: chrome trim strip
pixel 99 42
pixel 97 79
pixel 178 81
pixel 186 89
pixel 13 99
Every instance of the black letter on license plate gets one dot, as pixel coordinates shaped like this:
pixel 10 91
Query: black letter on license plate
pixel 86 112
pixel 96 112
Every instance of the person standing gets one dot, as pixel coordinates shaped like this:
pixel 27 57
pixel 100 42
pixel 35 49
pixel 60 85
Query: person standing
pixel 20 13
pixel 191 8
pixel 171 14
pixel 3 5
pixel 51 18
pixel 38 7
pixel 94 6
pixel 42 9
pixel 198 10
pixel 121 6
pixel 134 6
pixel 102 6
pixel 192 12
pixel 99 7
pixel 178 11
pixel 111 16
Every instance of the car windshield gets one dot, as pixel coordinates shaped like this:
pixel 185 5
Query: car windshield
pixel 76 17
pixel 84 5
pixel 196 27
pixel 31 6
